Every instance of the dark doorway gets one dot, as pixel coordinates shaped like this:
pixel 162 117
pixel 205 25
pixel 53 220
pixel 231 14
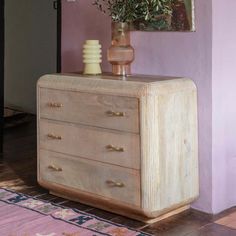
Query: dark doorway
pixel 1 73
pixel 57 6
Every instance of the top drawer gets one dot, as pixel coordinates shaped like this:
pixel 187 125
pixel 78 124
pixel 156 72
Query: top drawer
pixel 107 111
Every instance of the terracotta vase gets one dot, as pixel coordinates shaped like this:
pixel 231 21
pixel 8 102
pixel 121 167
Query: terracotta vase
pixel 121 53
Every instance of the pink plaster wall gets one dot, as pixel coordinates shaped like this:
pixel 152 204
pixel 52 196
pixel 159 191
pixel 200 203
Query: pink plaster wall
pixel 163 53
pixel 223 106
pixel 81 21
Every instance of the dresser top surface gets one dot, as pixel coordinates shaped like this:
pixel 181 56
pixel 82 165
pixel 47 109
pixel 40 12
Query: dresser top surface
pixel 132 78
pixel 133 86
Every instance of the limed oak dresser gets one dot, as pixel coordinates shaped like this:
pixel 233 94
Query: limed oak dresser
pixel 124 145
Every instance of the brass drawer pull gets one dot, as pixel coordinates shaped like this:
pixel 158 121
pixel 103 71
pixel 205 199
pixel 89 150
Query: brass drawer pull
pixel 52 136
pixel 112 183
pixel 55 105
pixel 115 149
pixel 115 114
pixel 52 167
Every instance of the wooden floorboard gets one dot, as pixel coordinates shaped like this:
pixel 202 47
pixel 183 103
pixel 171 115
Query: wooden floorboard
pixel 18 172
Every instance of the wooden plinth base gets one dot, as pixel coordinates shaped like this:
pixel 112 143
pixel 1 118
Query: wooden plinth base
pixel 123 212
pixel 164 216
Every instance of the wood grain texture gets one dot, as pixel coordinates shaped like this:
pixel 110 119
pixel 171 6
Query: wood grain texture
pixel 90 109
pixel 91 143
pixel 91 176
pixel 169 159
pixel 167 112
pixel 130 87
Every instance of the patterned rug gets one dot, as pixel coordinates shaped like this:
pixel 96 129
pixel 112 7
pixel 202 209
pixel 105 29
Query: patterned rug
pixel 22 215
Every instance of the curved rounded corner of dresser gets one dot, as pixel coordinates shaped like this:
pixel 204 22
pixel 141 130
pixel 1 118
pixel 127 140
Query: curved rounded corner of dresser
pixel 43 78
pixel 155 216
pixel 149 214
pixel 42 183
pixel 190 83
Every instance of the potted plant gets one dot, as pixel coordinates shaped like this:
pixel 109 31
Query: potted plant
pixel 126 12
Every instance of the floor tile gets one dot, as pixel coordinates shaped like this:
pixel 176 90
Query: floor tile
pixel 213 230
pixel 178 225
pixel 77 205
pixel 229 220
pixel 129 222
pixel 100 213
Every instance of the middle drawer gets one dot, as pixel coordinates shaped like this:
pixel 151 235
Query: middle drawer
pixel 98 144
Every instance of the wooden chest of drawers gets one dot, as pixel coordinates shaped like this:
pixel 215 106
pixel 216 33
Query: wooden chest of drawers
pixel 128 146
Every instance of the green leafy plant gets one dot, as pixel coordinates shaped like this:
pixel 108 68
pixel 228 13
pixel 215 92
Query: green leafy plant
pixel 136 11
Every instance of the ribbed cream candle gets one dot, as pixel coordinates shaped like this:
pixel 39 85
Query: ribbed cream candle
pixel 92 57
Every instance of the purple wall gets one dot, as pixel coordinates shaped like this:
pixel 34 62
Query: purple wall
pixel 81 21
pixel 169 53
pixel 223 106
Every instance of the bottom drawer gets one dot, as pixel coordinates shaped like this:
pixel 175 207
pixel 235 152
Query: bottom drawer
pixel 106 180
